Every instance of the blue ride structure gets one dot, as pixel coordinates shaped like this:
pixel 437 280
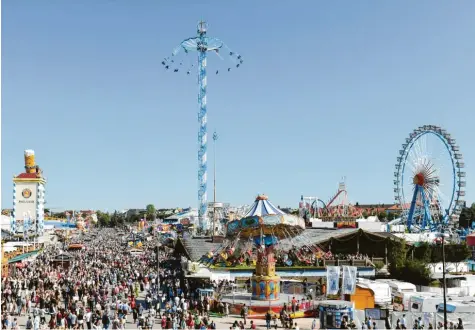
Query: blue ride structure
pixel 202 44
pixel 429 181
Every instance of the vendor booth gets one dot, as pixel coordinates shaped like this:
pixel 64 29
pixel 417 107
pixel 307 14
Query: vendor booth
pixel 332 313
pixel 63 259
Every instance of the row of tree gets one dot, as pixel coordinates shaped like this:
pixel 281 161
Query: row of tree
pixel 410 263
pixel 118 219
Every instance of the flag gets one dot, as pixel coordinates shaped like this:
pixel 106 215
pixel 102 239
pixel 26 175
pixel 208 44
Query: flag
pixel 333 280
pixel 349 279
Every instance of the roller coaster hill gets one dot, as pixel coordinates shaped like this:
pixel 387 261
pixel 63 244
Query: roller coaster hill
pixel 337 208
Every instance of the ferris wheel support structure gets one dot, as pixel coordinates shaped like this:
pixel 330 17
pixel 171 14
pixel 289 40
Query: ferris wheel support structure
pixel 427 210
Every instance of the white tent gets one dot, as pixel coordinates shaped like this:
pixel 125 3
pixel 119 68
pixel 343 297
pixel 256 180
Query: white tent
pixel 201 273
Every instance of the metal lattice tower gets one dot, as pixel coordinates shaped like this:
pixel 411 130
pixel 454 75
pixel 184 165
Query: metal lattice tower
pixel 202 44
pixel 202 132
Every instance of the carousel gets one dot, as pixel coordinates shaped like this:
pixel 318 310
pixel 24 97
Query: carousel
pixel 266 232
pixel 253 240
pixel 264 225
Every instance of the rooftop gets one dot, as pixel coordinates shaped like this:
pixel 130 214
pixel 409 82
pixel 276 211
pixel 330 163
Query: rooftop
pixel 29 176
pixel 195 248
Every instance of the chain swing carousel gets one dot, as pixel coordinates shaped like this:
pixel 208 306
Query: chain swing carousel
pixel 255 240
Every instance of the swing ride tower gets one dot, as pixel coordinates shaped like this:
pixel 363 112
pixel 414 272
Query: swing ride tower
pixel 202 44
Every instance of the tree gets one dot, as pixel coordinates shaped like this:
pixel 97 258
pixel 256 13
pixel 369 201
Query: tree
pixel 416 272
pixel 365 214
pixel 151 212
pixel 457 253
pixel 120 219
pixel 423 252
pixel 134 218
pixel 103 219
pixel 382 216
pixel 397 258
pixel 467 216
pixel 60 215
pixel 403 269
pixel 114 219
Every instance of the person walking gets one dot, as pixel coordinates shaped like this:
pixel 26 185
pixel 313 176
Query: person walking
pixel 314 324
pixel 244 311
pixel 268 319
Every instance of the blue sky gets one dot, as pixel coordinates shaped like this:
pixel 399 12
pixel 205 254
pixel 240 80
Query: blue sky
pixel 328 89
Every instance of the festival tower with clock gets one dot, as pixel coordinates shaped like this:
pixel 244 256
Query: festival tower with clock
pixel 29 196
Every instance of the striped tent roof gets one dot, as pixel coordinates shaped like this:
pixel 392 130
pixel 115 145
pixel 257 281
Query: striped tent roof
pixel 263 207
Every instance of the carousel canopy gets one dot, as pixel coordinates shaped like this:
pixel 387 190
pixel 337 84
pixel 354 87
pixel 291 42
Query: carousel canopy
pixel 262 207
pixel 264 219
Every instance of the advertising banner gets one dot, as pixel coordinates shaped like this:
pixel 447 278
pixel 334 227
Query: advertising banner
pixel 349 279
pixel 346 224
pixel 333 280
pixel 25 200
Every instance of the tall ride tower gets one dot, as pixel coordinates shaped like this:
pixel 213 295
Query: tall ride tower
pixel 202 44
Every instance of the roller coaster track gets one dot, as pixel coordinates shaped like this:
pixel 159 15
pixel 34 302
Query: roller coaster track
pixel 335 197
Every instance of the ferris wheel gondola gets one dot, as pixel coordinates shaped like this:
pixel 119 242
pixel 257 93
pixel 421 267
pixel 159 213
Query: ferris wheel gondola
pixel 429 180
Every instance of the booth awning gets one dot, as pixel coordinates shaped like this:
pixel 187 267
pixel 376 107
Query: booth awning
pixel 22 257
pixel 76 246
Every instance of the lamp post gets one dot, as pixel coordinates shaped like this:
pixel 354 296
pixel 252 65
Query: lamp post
pixel 444 285
pixel 215 138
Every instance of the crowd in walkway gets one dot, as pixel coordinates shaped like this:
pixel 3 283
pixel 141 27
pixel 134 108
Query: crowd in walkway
pixel 104 286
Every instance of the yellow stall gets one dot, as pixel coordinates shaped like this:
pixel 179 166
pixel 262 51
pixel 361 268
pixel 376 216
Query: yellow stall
pixel 362 298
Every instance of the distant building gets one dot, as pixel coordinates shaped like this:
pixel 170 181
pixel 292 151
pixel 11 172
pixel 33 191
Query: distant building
pixel 186 217
pixel 375 209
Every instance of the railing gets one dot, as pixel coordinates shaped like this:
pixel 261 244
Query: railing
pixel 321 263
pixel 352 262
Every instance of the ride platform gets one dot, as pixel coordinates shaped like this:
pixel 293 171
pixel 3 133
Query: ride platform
pixel 257 309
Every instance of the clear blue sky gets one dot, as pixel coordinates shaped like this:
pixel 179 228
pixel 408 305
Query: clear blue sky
pixel 328 89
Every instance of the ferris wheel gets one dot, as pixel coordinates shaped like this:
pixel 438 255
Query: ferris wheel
pixel 429 181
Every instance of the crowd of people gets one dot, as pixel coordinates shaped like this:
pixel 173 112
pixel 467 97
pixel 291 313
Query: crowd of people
pixel 104 286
